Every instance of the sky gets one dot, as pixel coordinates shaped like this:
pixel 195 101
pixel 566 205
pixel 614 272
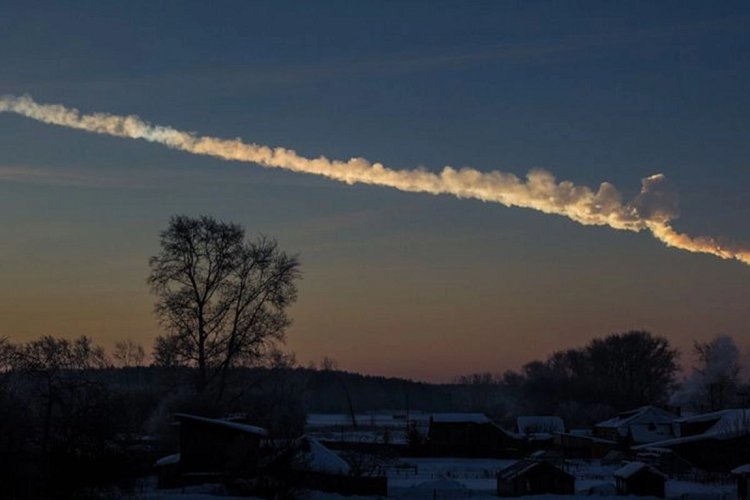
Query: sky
pixel 395 283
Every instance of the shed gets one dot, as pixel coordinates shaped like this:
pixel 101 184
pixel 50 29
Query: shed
pixel 529 425
pixel 218 446
pixel 319 468
pixel 717 442
pixel 582 446
pixel 477 436
pixel 647 424
pixel 534 477
pixel 168 471
pixel 637 478
pixel 742 473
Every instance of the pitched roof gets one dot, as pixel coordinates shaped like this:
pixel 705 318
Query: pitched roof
pixel 532 424
pixel 631 468
pixel 168 460
pixel 647 413
pixel 245 428
pixel 522 467
pixel 320 459
pixel 585 437
pixel 516 469
pixel 475 418
pixel 729 424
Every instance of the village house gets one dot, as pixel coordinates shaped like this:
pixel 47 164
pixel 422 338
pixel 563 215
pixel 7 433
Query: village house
pixel 531 425
pixel 470 435
pixel 717 441
pixel 539 430
pixel 577 444
pixel 211 449
pixel 742 473
pixel 534 477
pixel 640 479
pixel 647 424
pixel 313 466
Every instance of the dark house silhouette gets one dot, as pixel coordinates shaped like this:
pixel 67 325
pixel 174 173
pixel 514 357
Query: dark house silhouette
pixel 647 424
pixel 574 445
pixel 637 478
pixel 717 441
pixel 742 474
pixel 471 435
pixel 217 446
pixel 534 477
pixel 314 466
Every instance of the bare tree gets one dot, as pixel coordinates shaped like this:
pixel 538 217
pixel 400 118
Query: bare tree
pixel 714 383
pixel 221 298
pixel 128 354
pixel 67 395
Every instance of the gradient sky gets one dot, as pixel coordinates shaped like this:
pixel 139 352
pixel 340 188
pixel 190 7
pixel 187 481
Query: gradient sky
pixel 394 283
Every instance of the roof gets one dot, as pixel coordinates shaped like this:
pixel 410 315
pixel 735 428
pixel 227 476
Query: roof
pixel 651 432
pixel 729 424
pixel 742 469
pixel 395 419
pixel 517 469
pixel 649 414
pixel 228 424
pixel 168 460
pixel 318 458
pixel 703 417
pixel 474 418
pixel 470 418
pixel 535 424
pixel 523 466
pixel 584 437
pixel 631 468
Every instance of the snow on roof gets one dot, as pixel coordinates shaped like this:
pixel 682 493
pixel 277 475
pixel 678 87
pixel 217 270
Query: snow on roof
pixel 522 467
pixel 650 433
pixel 516 469
pixel 320 459
pixel 645 413
pixel 536 424
pixel 631 468
pixel 674 442
pixel 476 418
pixel 742 469
pixel 731 423
pixel 392 419
pixel 586 437
pixel 168 460
pixel 703 417
pixel 249 429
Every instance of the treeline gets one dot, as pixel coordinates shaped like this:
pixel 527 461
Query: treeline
pixel 612 374
pixel 77 423
pixel 76 420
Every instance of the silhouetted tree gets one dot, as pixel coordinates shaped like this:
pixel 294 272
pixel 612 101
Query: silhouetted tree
pixel 616 372
pixel 221 298
pixel 631 369
pixel 128 354
pixel 714 383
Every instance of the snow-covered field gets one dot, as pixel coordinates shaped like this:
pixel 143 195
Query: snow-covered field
pixel 456 478
pixel 477 475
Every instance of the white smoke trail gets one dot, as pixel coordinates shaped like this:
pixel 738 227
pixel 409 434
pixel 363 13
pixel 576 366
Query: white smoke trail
pixel 652 209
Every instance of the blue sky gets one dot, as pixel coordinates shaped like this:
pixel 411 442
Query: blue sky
pixel 395 283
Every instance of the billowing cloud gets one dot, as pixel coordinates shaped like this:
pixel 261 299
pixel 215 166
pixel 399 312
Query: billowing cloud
pixel 652 209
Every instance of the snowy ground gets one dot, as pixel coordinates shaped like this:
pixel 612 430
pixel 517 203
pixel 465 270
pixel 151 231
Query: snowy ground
pixel 456 478
pixel 477 475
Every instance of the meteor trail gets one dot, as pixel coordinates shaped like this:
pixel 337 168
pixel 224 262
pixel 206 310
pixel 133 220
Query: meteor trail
pixel 652 209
